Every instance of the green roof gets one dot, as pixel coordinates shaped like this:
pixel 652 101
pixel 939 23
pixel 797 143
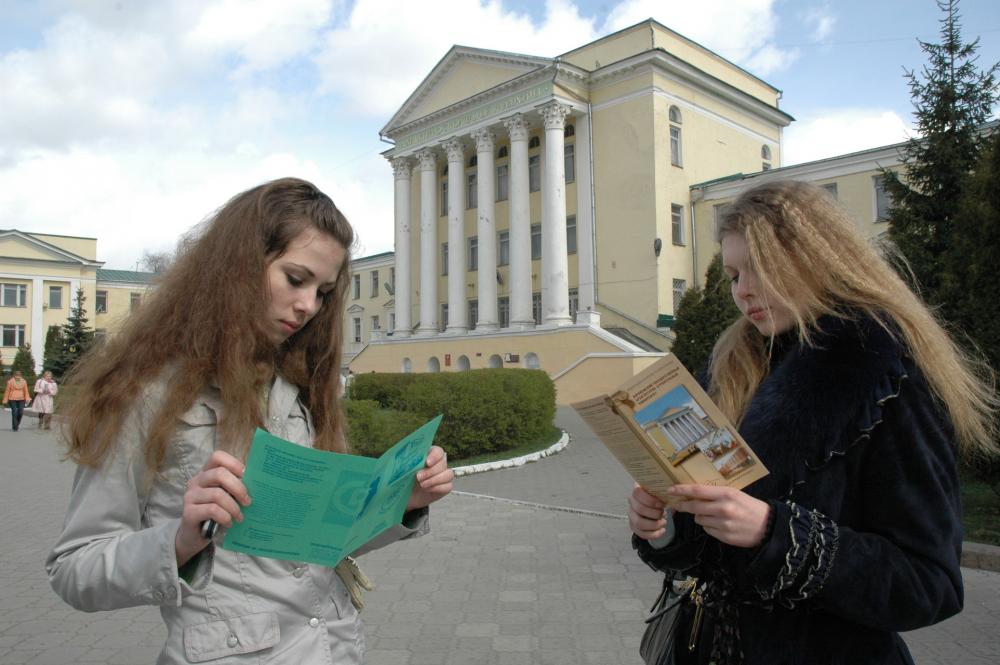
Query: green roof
pixel 130 276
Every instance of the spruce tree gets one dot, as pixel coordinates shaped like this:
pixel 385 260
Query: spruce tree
pixel 25 362
pixel 952 99
pixel 701 316
pixel 53 348
pixel 76 337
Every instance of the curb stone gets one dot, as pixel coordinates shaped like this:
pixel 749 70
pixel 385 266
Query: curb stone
pixel 514 461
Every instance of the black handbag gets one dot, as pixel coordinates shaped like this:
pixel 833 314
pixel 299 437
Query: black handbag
pixel 659 639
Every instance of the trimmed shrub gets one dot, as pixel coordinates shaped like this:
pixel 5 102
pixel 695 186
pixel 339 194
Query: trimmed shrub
pixel 371 430
pixel 386 389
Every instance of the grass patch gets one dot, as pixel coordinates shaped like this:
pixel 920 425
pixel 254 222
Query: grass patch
pixel 981 511
pixel 540 443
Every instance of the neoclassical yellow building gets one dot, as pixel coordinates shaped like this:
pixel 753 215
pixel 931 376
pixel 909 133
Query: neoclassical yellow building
pixel 543 210
pixel 550 212
pixel 40 275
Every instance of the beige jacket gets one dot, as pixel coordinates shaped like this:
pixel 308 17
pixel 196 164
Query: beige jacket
pixel 117 550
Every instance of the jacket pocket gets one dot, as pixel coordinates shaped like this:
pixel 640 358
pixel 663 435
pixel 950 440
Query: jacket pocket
pixel 232 636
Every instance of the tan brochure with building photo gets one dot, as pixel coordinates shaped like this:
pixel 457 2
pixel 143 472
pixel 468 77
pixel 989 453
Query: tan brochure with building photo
pixel 665 431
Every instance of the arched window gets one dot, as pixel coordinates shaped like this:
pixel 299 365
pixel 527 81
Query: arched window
pixel 765 152
pixel 502 152
pixel 463 364
pixel 444 171
pixel 407 366
pixel 531 361
pixel 534 142
pixel 433 364
pixel 569 131
pixel 473 160
pixel 495 361
pixel 675 136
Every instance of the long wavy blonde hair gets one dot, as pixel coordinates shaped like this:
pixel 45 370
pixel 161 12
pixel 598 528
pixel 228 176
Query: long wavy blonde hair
pixel 809 255
pixel 203 322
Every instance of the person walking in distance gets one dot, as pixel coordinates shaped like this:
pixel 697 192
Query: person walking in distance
pixel 16 395
pixel 44 404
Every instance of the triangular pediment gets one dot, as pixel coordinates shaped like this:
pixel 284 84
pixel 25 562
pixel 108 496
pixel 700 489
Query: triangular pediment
pixel 25 247
pixel 462 73
pixel 355 309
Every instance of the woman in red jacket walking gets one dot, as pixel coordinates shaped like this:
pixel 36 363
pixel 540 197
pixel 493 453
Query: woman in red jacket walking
pixel 17 395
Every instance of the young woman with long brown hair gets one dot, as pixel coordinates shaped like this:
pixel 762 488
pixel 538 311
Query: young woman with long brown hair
pixel 858 401
pixel 244 331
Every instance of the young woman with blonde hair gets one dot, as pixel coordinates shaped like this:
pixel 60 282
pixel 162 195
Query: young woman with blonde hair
pixel 244 331
pixel 858 401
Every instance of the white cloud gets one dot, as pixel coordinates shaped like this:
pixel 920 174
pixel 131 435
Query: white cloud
pixel 264 33
pixel 386 47
pixel 840 131
pixel 821 21
pixel 740 30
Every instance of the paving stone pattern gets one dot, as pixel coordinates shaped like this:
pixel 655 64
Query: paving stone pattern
pixel 497 581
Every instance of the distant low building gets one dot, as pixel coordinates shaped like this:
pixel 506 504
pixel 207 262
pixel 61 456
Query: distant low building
pixel 40 275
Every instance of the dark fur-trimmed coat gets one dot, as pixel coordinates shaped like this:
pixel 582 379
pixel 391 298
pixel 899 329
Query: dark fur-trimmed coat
pixel 863 486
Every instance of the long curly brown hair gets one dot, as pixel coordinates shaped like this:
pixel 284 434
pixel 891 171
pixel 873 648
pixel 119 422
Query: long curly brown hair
pixel 203 324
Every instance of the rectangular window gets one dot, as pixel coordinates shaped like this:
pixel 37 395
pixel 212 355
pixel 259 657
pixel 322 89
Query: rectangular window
pixel 444 259
pixel 101 302
pixel 677 224
pixel 675 145
pixel 375 323
pixel 13 335
pixel 13 295
pixel 443 325
pixel 392 321
pixel 718 210
pixel 831 188
pixel 473 253
pixel 765 166
pixel 472 191
pixel 536 242
pixel 503 248
pixel 357 329
pixel 374 283
pixel 55 297
pixel 356 287
pixel 680 286
pixel 536 308
pixel 574 303
pixel 392 280
pixel 444 198
pixel 571 234
pixel 134 300
pixel 502 182
pixel 882 199
pixel 503 311
pixel 534 173
pixel 473 310
pixel 569 151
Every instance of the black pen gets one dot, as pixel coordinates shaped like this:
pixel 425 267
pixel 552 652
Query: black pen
pixel 208 529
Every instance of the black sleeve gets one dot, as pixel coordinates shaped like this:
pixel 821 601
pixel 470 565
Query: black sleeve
pixel 684 552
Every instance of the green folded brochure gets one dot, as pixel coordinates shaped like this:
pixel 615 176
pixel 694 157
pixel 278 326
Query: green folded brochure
pixel 318 506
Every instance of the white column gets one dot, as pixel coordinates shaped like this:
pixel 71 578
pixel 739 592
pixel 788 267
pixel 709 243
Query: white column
pixel 555 271
pixel 457 309
pixel 486 231
pixel 38 330
pixel 521 316
pixel 401 296
pixel 428 243
pixel 586 312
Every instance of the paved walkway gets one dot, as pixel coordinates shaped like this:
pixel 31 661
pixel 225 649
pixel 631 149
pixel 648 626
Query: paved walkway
pixel 515 581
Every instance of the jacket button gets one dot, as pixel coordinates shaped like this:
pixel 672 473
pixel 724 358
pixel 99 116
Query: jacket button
pixel 232 641
pixel 313 622
pixel 299 572
pixel 157 595
pixel 171 592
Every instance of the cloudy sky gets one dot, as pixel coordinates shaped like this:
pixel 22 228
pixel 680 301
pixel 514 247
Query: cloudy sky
pixel 132 120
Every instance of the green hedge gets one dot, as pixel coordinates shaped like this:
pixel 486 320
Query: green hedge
pixel 487 410
pixel 371 430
